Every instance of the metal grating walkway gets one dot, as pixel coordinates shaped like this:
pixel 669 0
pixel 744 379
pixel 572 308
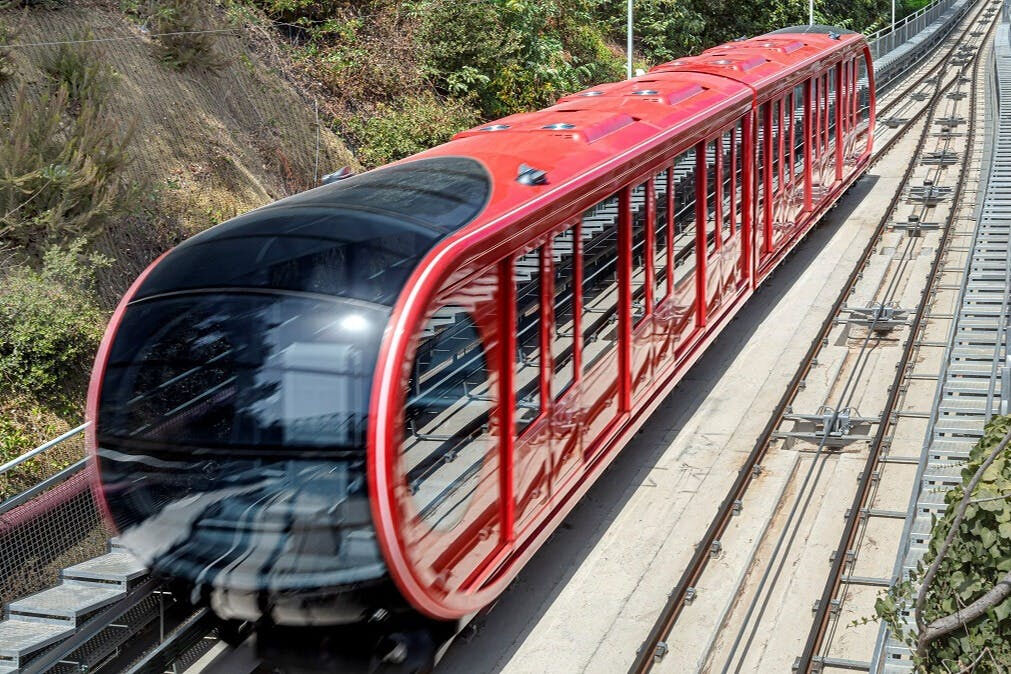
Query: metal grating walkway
pixel 969 384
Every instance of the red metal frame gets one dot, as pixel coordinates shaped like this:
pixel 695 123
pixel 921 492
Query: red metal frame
pixel 621 139
pixel 95 392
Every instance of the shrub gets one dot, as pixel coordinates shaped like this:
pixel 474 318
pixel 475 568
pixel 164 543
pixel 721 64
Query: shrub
pixel 512 57
pixel 186 48
pixel 82 69
pixel 411 125
pixel 50 327
pixel 60 173
pixel 978 559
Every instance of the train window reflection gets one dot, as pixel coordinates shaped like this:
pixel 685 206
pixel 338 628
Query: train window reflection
pixel 599 315
pixel 640 208
pixel 713 193
pixel 527 274
pixel 661 230
pixel 449 404
pixel 563 341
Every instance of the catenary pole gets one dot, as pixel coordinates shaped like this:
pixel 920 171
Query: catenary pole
pixel 629 44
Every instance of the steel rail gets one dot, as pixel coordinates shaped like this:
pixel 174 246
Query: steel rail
pixel 677 599
pixel 852 526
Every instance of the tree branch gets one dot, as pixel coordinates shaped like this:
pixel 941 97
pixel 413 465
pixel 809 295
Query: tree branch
pixel 925 633
pixel 950 623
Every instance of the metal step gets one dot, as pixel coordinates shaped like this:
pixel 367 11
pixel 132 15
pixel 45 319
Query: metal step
pixel 115 568
pixel 21 639
pixel 66 603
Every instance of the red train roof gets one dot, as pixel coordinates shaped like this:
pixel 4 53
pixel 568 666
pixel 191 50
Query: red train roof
pixel 679 101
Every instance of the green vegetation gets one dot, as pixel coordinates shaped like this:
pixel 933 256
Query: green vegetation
pixel 400 76
pixel 50 326
pixel 61 156
pixel 975 562
pixel 409 126
pixel 177 23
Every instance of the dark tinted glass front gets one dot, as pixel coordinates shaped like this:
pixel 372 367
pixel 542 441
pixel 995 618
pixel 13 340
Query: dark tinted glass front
pixel 243 370
pixel 298 249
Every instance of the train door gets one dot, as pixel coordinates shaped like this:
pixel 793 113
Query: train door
pixel 599 316
pixel 532 448
pixel 563 297
pixel 642 200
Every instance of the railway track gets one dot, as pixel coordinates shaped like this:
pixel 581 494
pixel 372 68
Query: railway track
pixel 939 89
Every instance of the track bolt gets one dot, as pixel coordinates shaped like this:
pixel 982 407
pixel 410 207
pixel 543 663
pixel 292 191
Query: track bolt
pixel 737 507
pixel 690 594
pixel 756 471
pixel 660 651
pixel 715 548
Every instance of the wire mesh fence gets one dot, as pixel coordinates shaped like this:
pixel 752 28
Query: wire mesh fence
pixel 49 519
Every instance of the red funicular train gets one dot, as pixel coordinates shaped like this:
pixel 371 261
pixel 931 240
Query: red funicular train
pixel 376 399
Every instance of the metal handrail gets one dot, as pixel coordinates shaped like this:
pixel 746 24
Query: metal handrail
pixel 890 37
pixel 41 448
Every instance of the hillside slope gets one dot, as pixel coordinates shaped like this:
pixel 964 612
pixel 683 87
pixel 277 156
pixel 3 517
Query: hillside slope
pixel 171 150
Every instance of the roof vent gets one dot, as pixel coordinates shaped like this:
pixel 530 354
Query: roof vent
pixel 340 174
pixel 559 126
pixel 722 62
pixel 592 93
pixel 834 36
pixel 528 175
pixel 645 92
pixel 495 127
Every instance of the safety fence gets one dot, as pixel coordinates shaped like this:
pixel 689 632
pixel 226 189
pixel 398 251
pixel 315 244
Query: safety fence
pixel 891 37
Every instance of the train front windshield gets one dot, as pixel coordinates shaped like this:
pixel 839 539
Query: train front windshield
pixel 232 442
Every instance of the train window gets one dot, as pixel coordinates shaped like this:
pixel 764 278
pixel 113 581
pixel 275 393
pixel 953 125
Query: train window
pixel 639 200
pixel 797 145
pixel 449 404
pixel 732 166
pixel 563 342
pixel 830 108
pixel 599 315
pixel 661 232
pixel 737 181
pixel 759 182
pixel 685 218
pixel 714 192
pixel 776 144
pixel 527 275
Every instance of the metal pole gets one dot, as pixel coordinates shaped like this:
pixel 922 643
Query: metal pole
pixel 810 12
pixel 629 44
pixel 893 15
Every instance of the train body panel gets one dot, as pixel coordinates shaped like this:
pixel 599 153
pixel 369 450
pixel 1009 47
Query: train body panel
pixel 522 298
